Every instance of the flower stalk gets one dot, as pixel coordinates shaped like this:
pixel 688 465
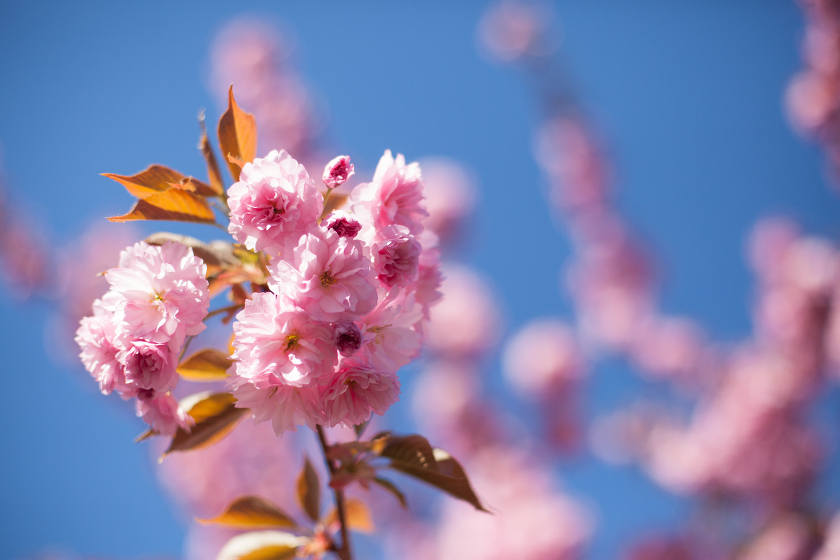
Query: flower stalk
pixel 344 552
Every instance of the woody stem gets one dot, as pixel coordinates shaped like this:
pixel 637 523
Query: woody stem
pixel 344 552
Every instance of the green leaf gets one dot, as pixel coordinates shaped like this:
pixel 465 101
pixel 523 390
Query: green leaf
pixel 252 512
pixel 309 490
pixel 262 545
pixel 237 136
pixel 215 416
pixel 205 365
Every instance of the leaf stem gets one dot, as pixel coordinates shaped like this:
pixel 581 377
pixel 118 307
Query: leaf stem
pixel 344 552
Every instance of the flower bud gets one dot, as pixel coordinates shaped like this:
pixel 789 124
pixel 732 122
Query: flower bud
pixel 343 224
pixel 338 171
pixel 348 338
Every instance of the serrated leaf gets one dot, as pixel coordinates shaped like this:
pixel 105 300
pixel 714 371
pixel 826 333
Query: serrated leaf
pixel 309 490
pixel 215 416
pixel 357 515
pixel 262 545
pixel 205 365
pixel 252 512
pixel 152 180
pixel 175 205
pixel 447 475
pixel 237 135
pixel 392 488
pixel 159 178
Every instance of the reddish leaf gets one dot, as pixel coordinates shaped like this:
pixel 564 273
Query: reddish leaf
pixel 159 178
pixel 357 515
pixel 392 488
pixel 252 512
pixel 215 416
pixel 414 449
pixel 213 171
pixel 152 180
pixel 447 475
pixel 309 491
pixel 237 135
pixel 205 365
pixel 174 205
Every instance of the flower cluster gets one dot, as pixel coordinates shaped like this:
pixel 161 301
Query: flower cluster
pixel 346 299
pixel 158 296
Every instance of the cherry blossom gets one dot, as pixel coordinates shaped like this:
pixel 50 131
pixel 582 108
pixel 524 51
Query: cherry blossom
pixel 161 292
pixel 273 204
pixel 357 390
pixel 327 275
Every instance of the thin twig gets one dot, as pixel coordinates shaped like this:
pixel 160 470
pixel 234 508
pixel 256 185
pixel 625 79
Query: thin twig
pixel 344 552
pixel 186 345
pixel 223 310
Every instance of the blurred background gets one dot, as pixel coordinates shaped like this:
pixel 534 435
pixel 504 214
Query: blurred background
pixel 637 353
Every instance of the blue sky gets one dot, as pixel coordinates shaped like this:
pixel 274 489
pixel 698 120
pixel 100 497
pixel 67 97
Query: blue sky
pixel 689 94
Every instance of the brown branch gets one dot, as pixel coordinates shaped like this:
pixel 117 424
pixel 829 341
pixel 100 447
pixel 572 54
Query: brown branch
pixel 344 552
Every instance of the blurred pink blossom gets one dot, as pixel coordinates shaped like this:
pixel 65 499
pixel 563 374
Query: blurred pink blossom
pixel 467 320
pixel 450 195
pixel 511 30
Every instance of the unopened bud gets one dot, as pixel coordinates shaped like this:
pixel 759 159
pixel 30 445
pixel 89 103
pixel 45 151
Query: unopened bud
pixel 348 338
pixel 343 224
pixel 338 171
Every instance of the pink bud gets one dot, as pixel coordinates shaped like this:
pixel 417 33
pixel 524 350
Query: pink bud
pixel 338 171
pixel 348 338
pixel 343 224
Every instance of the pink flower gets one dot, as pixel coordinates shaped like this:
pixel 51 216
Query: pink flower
pixel 348 338
pixel 161 292
pixel 273 203
pixel 357 390
pixel 543 356
pixel 163 414
pixel 342 223
pixel 286 406
pixel 395 196
pixel 97 338
pixel 450 193
pixel 429 276
pixel 338 171
pixel 149 365
pixel 390 335
pixel 328 276
pixel 277 344
pixel 396 257
pixel 467 321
